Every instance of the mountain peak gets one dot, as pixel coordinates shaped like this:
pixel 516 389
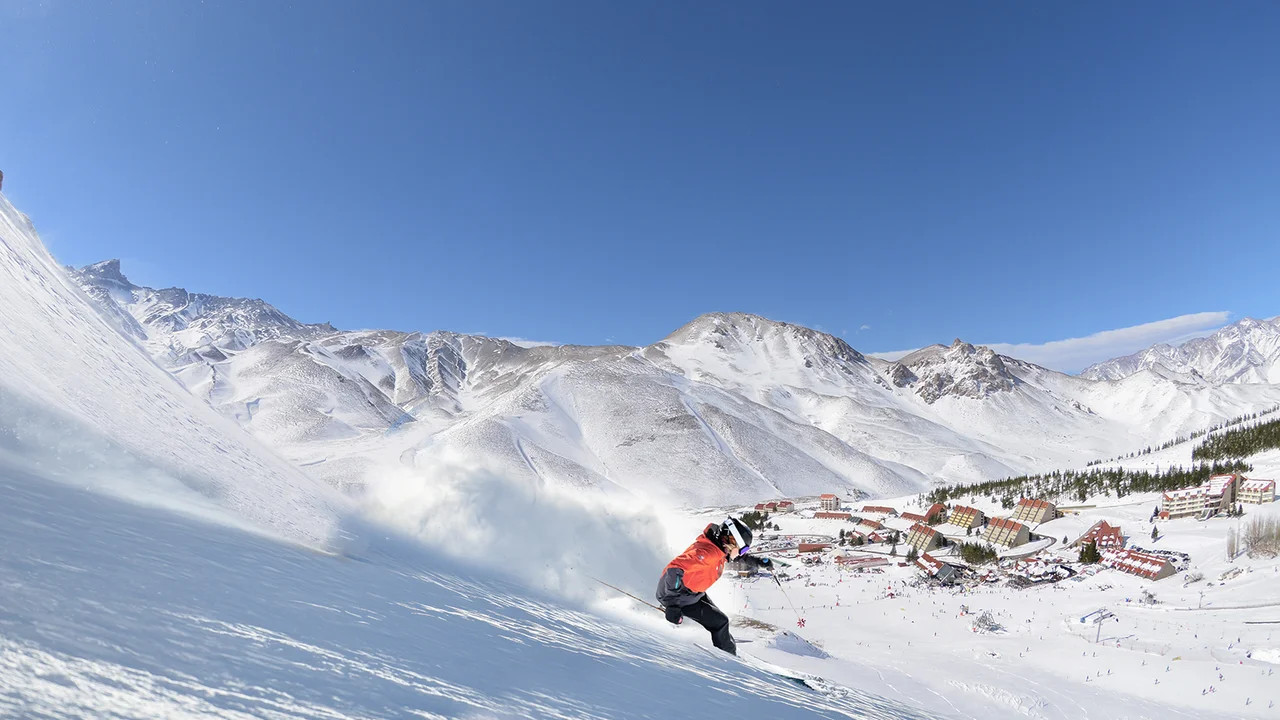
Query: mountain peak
pixel 727 330
pixel 960 369
pixel 178 322
pixel 106 271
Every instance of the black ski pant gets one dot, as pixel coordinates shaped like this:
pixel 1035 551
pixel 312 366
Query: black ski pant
pixel 709 616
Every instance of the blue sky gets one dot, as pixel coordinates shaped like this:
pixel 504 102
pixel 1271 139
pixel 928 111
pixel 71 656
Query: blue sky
pixel 897 174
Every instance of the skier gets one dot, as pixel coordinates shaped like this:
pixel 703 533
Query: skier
pixel 682 589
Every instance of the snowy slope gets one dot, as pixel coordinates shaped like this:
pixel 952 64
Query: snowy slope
pixel 117 611
pixel 1247 351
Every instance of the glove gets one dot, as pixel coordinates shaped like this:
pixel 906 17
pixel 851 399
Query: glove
pixel 674 616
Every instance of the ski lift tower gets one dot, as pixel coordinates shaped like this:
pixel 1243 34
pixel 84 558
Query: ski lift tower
pixel 1100 616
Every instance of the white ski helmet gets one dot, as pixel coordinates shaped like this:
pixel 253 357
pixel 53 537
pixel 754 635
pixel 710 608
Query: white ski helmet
pixel 740 532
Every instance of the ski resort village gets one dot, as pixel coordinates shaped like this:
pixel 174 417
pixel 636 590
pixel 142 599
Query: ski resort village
pixel 1170 596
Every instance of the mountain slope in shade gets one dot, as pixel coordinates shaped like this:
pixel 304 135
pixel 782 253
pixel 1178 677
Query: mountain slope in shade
pixel 1247 351
pixel 729 408
pixel 73 390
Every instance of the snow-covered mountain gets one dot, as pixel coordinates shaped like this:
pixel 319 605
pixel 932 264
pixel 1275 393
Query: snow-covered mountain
pixel 175 324
pixel 1247 351
pixel 729 408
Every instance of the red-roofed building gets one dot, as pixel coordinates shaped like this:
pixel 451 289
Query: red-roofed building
pixel 1216 495
pixel 859 562
pixel 1151 567
pixel 1103 535
pixel 805 547
pixel 935 568
pixel 829 501
pixel 867 524
pixel 923 538
pixel 771 507
pixel 879 510
pixel 786 506
pixel 1034 511
pixel 1009 533
pixel 965 517
pixel 824 515
pixel 1257 492
pixel 760 507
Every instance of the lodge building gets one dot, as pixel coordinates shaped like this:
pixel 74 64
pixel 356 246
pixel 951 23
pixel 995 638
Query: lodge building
pixel 1217 494
pixel 923 538
pixel 1034 511
pixel 1151 567
pixel 1257 492
pixel 1009 533
pixel 1104 536
pixel 965 517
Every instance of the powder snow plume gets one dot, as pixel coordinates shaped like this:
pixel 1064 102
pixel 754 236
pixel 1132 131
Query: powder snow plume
pixel 548 538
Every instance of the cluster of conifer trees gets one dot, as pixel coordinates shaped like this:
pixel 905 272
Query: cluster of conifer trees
pixel 1079 485
pixel 1240 443
pixel 976 553
pixel 757 520
pixel 1187 438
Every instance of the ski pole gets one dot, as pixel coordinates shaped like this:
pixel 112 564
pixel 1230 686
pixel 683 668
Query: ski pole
pixel 799 620
pixel 624 592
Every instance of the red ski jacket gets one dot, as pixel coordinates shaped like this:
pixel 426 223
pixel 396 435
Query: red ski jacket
pixel 686 578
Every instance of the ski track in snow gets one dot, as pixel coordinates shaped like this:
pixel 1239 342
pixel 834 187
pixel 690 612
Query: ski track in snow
pixel 722 445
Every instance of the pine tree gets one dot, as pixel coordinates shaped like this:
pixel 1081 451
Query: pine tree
pixel 1089 553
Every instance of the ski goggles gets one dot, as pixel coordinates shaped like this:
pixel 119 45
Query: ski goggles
pixel 737 538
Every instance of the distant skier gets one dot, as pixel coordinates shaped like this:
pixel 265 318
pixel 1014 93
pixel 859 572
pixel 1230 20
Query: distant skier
pixel 682 589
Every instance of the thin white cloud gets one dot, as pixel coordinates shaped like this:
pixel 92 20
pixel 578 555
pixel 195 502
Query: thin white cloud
pixel 892 355
pixel 864 327
pixel 522 342
pixel 1075 354
pixel 530 343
